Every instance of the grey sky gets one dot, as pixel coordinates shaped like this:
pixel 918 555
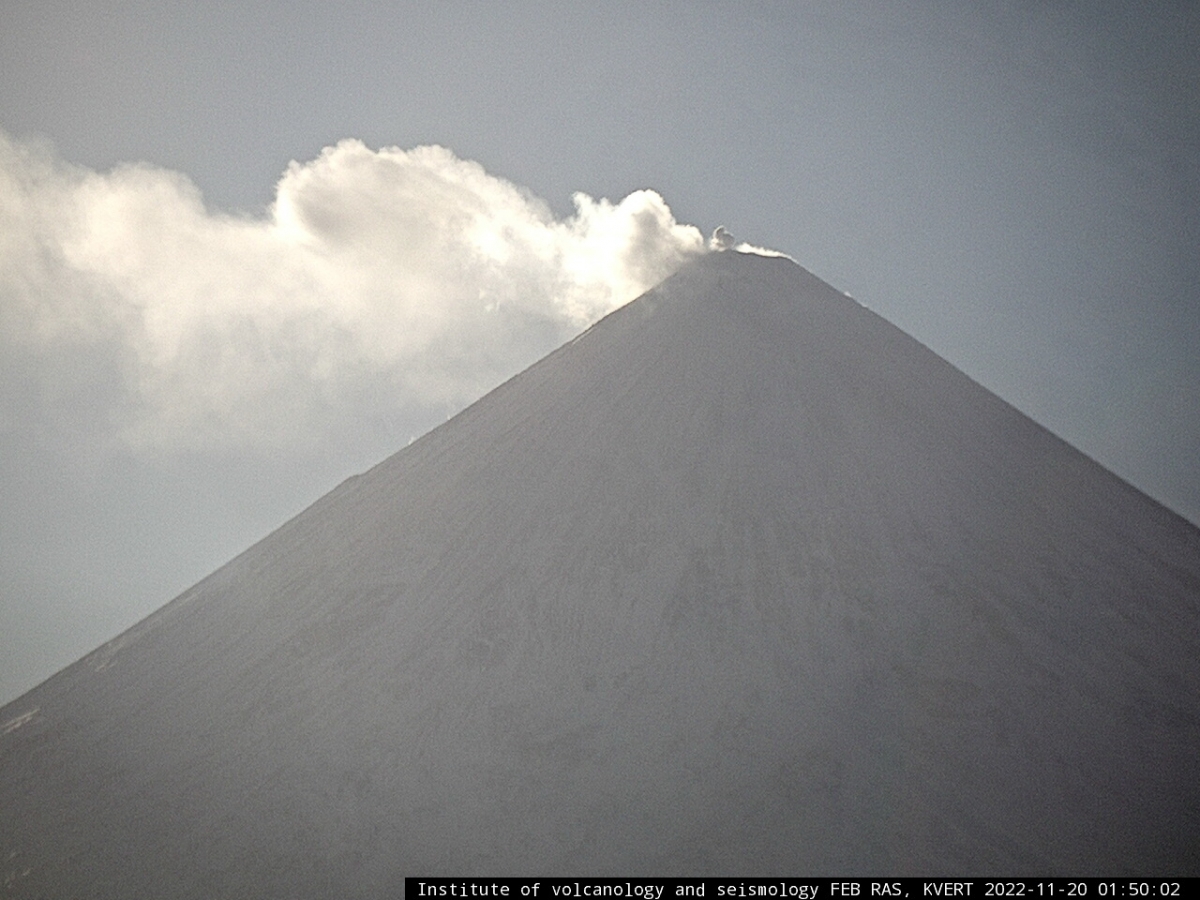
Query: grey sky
pixel 1015 184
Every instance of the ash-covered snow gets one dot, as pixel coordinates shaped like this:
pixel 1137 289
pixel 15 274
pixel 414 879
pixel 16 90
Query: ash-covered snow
pixel 743 582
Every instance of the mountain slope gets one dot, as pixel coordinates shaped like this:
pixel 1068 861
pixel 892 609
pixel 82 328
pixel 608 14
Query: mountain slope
pixel 741 581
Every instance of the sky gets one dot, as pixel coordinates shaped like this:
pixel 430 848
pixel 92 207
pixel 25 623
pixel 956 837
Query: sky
pixel 248 250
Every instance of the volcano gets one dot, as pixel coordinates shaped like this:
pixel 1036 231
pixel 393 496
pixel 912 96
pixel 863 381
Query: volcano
pixel 741 581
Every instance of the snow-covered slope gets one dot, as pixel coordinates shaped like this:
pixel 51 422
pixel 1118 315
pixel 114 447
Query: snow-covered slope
pixel 741 581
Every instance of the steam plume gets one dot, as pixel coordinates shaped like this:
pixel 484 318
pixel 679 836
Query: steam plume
pixel 377 281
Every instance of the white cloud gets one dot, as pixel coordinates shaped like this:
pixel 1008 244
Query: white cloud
pixel 743 247
pixel 722 240
pixel 378 280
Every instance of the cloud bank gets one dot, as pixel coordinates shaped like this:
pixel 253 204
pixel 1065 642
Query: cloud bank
pixel 378 282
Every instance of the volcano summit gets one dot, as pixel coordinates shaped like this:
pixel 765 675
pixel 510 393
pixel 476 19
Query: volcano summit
pixel 741 581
